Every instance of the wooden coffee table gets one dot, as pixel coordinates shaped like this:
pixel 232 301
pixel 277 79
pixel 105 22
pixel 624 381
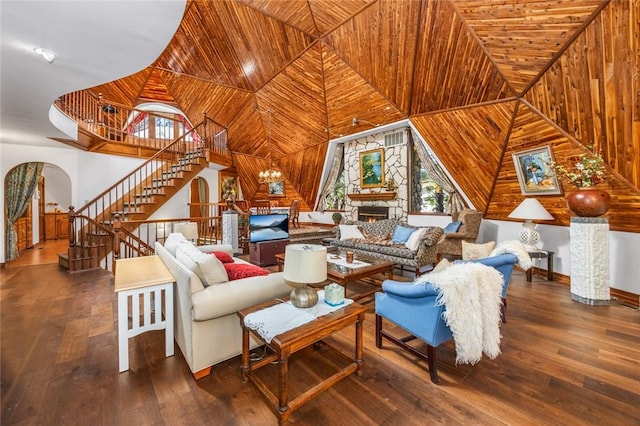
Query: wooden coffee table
pixel 285 344
pixel 345 274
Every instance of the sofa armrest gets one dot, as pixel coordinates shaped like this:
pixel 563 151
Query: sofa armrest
pixel 455 236
pixel 216 247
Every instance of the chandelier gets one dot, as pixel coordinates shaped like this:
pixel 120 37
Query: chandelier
pixel 269 175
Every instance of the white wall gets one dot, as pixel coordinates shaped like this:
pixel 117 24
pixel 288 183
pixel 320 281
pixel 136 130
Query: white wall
pixel 623 250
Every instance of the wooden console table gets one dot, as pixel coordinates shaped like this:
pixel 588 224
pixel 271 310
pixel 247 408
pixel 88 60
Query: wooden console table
pixel 143 280
pixel 286 344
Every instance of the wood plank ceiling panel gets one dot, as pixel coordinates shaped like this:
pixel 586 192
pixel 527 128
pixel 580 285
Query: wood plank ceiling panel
pixel 262 45
pixel 125 90
pixel 296 100
pixel 294 13
pixel 451 68
pixel 195 96
pixel 593 90
pixel 469 144
pixel 532 130
pixel 328 14
pixel 350 96
pixel 379 44
pixel 301 170
pixel 522 36
pixel 248 168
pixel 247 134
pixel 201 48
pixel 155 90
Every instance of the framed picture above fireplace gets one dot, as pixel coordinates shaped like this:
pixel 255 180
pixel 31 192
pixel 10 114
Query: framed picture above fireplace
pixel 372 168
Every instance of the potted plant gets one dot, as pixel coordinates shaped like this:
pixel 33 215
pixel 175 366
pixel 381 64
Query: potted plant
pixel 337 218
pixel 585 173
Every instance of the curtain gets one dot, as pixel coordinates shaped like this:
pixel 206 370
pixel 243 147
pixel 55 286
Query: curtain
pixel 435 172
pixel 334 173
pixel 20 184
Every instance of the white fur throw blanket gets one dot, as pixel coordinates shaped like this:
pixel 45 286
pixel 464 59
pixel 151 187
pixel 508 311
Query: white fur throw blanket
pixel 515 248
pixel 472 296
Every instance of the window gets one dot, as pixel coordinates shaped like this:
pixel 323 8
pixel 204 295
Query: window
pixel 335 199
pixel 426 195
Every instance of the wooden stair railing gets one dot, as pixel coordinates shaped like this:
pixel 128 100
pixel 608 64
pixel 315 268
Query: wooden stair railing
pixel 134 197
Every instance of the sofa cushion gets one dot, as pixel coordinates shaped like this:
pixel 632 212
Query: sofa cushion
pixel 350 231
pixel 415 239
pixel 452 227
pixel 222 256
pixel 401 234
pixel 208 268
pixel 237 271
pixel 471 251
pixel 173 241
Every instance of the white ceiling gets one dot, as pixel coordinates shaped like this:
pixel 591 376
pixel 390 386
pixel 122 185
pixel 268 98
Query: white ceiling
pixel 95 41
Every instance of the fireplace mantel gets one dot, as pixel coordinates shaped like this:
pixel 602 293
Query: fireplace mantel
pixel 372 196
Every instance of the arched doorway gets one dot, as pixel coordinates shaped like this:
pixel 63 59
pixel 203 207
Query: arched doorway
pixel 50 199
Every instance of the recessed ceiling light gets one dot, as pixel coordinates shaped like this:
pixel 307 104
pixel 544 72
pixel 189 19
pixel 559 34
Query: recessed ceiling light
pixel 48 55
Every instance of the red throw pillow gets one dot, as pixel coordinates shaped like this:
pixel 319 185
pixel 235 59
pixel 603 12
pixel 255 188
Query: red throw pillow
pixel 222 256
pixel 236 271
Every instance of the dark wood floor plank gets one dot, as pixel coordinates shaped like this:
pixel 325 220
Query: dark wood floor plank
pixel 561 363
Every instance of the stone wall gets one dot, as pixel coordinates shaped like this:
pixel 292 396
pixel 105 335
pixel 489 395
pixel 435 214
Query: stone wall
pixel 395 165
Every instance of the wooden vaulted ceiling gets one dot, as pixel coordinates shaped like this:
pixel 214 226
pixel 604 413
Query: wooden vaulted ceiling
pixel 479 79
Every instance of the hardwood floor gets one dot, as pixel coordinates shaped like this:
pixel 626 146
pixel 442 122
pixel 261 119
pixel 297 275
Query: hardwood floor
pixel 562 363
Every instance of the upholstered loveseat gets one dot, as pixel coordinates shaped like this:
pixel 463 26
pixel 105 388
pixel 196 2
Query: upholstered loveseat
pixel 206 326
pixel 377 242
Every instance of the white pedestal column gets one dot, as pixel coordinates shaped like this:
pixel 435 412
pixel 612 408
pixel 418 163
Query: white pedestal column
pixel 230 229
pixel 590 278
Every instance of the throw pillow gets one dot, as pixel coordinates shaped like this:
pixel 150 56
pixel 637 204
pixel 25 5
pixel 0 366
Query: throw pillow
pixel 350 231
pixel 453 227
pixel 208 268
pixel 173 241
pixel 442 265
pixel 471 251
pixel 415 239
pixel 237 271
pixel 222 256
pixel 401 234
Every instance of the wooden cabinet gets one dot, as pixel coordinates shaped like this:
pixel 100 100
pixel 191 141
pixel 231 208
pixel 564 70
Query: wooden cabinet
pixel 56 225
pixel 264 253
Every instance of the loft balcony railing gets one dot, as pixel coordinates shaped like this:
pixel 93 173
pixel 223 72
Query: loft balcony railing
pixel 115 123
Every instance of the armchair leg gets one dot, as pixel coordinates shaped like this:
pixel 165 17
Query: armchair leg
pixel 430 356
pixel 503 311
pixel 378 331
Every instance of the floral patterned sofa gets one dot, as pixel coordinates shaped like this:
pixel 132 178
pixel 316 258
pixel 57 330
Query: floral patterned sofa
pixel 377 243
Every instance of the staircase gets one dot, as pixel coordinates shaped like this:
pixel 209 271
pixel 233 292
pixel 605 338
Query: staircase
pixel 92 240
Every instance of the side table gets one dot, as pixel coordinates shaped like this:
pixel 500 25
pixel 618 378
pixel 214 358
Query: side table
pixel 542 255
pixel 143 280
pixel 286 344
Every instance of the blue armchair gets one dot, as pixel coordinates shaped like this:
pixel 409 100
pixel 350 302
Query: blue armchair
pixel 412 307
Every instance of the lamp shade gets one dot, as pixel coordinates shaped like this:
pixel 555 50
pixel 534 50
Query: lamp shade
pixel 189 230
pixel 305 263
pixel 531 209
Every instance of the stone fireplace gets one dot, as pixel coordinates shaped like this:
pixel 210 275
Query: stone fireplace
pixel 372 213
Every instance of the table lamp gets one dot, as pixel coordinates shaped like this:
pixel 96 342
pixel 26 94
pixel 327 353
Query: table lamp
pixel 189 230
pixel 304 264
pixel 530 209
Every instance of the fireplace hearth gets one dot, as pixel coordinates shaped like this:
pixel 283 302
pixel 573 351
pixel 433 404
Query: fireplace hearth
pixel 372 213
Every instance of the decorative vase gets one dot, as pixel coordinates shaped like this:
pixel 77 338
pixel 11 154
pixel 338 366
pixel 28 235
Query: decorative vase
pixel 588 202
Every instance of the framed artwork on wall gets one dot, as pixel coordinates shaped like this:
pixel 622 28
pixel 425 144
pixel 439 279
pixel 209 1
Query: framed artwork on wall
pixel 276 189
pixel 534 171
pixel 229 186
pixel 372 168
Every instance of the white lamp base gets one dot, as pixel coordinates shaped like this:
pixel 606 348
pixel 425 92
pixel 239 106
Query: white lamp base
pixel 529 236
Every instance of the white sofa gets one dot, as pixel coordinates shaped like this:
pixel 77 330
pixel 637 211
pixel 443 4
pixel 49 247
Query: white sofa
pixel 207 328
